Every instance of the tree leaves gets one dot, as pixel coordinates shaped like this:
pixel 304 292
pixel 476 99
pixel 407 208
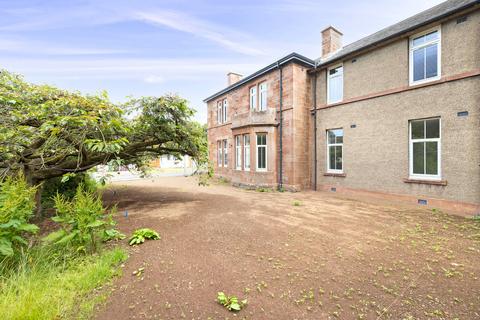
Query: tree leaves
pixel 47 132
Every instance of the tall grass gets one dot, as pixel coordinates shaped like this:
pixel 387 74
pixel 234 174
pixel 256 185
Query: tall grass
pixel 51 285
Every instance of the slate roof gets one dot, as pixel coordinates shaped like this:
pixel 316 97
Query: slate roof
pixel 433 14
pixel 426 17
pixel 291 57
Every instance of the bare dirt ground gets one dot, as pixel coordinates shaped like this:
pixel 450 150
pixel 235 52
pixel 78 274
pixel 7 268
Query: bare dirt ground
pixel 305 255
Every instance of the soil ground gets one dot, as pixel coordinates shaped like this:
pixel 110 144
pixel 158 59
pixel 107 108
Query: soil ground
pixel 308 255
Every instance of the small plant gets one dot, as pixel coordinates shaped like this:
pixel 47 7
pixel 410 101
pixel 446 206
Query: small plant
pixel 139 236
pixel 231 302
pixel 16 208
pixel 113 234
pixel 297 203
pixel 83 220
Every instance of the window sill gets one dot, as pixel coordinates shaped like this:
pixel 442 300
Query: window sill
pixel 332 174
pixel 430 182
pixel 424 81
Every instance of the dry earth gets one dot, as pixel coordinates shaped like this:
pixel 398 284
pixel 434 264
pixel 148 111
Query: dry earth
pixel 307 255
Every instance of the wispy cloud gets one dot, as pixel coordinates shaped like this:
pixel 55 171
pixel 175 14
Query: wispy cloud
pixel 197 27
pixel 154 79
pixel 146 70
pixel 44 48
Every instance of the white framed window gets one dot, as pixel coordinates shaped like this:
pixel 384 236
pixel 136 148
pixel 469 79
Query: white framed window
pixel 238 152
pixel 225 153
pixel 219 153
pixel 219 112
pixel 225 110
pixel 335 151
pixel 425 56
pixel 263 96
pixel 253 98
pixel 246 151
pixel 261 152
pixel 425 149
pixel 335 84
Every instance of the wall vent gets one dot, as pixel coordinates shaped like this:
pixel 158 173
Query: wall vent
pixel 353 126
pixel 333 189
pixel 462 19
pixel 422 202
pixel 462 114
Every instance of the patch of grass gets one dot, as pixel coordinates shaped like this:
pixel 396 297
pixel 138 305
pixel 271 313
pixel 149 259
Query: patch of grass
pixel 297 203
pixel 45 287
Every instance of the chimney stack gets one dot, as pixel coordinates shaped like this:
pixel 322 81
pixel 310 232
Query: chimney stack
pixel 331 41
pixel 233 77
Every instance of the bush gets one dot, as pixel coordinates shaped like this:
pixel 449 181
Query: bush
pixel 17 201
pixel 83 220
pixel 67 186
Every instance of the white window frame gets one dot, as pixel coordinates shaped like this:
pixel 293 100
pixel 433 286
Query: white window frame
pixel 263 92
pixel 423 45
pixel 266 151
pixel 220 153
pixel 253 98
pixel 225 110
pixel 329 170
pixel 246 152
pixel 219 112
pixel 329 101
pixel 416 176
pixel 225 153
pixel 238 152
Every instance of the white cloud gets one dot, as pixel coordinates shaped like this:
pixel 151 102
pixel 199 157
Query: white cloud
pixel 154 79
pixel 200 28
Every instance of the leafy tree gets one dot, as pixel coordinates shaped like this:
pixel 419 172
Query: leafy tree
pixel 47 132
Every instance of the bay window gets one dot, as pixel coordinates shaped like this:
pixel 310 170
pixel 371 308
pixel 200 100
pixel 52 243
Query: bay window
pixel 261 152
pixel 246 152
pixel 238 153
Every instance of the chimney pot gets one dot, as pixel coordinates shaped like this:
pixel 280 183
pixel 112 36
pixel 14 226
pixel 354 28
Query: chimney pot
pixel 233 77
pixel 331 41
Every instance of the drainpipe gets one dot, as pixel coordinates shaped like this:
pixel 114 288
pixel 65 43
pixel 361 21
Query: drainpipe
pixel 315 127
pixel 280 175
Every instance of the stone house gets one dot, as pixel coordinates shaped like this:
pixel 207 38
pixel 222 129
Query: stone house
pixel 396 114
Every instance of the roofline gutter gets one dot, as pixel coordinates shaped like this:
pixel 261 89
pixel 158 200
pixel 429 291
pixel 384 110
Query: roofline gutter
pixel 395 35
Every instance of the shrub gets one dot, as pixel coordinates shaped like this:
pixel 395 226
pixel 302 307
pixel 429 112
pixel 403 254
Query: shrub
pixel 139 236
pixel 67 186
pixel 83 219
pixel 17 201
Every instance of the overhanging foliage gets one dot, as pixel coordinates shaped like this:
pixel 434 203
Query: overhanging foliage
pixel 46 132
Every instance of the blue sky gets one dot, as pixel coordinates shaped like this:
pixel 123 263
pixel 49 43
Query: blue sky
pixel 142 47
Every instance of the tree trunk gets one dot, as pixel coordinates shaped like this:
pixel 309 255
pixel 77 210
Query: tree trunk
pixel 38 194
